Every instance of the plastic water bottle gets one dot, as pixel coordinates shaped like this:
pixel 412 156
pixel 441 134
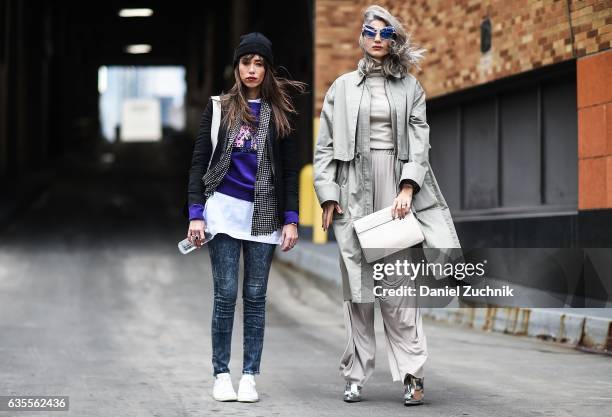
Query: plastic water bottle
pixel 185 246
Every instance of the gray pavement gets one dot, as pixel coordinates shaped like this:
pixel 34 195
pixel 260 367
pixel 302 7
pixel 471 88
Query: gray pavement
pixel 96 303
pixel 125 332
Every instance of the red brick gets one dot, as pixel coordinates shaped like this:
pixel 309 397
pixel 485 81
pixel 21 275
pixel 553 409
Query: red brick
pixel 609 127
pixel 592 183
pixel 594 75
pixel 609 180
pixel 449 26
pixel 592 131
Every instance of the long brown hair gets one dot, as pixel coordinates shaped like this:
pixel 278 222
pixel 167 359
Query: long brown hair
pixel 274 90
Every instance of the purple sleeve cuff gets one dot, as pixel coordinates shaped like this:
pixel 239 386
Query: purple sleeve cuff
pixel 291 217
pixel 196 212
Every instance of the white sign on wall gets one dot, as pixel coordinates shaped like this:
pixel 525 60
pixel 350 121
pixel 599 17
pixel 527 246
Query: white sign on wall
pixel 141 120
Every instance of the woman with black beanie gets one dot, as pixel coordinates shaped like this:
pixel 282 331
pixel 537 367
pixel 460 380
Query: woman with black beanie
pixel 243 190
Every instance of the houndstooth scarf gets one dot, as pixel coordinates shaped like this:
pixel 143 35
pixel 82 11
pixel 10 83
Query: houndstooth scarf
pixel 265 215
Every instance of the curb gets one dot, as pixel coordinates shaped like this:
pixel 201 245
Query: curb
pixel 319 260
pixel 588 333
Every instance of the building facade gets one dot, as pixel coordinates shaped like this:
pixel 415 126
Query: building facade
pixel 519 106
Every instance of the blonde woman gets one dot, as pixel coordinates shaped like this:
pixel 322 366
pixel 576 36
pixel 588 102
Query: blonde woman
pixel 371 153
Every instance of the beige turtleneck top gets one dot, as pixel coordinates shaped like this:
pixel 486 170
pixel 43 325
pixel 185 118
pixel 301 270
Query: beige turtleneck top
pixel 381 136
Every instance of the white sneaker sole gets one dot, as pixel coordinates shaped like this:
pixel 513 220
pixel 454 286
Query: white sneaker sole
pixel 225 398
pixel 245 399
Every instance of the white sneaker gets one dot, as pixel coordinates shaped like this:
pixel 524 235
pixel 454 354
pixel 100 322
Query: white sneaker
pixel 246 390
pixel 223 389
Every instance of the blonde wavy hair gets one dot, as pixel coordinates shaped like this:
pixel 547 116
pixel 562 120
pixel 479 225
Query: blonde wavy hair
pixel 403 54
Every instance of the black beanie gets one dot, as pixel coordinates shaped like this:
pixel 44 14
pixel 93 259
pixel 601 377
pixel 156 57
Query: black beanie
pixel 254 43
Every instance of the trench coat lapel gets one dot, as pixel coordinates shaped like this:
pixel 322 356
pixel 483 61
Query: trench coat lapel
pixel 353 99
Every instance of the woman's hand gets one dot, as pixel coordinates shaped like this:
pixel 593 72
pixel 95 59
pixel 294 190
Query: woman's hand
pixel 290 237
pixel 328 213
pixel 195 234
pixel 401 203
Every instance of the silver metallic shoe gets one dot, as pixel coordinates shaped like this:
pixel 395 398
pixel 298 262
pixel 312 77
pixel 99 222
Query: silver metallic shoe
pixel 414 390
pixel 352 393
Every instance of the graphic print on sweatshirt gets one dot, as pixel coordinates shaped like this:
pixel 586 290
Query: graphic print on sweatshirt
pixel 246 138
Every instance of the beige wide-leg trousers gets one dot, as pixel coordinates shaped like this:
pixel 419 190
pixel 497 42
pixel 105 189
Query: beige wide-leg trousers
pixel 404 335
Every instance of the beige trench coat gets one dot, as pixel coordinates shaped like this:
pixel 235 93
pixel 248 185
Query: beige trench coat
pixel 341 173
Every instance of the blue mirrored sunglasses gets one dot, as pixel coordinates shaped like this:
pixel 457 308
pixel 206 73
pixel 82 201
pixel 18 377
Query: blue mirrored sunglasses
pixel 388 32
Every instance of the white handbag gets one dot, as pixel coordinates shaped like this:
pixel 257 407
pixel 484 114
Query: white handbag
pixel 381 235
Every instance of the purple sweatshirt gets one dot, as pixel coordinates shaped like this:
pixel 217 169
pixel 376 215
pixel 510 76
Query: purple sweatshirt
pixel 239 182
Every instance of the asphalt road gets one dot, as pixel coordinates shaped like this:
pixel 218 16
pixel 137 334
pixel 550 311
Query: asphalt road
pixel 96 303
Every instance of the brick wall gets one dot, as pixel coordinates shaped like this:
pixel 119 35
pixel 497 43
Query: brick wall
pixel 594 78
pixel 526 34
